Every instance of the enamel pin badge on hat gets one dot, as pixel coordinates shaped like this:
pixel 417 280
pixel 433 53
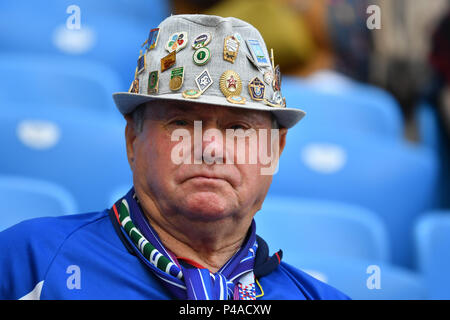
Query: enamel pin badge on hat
pixel 176 78
pixel 152 39
pixel 230 48
pixel 256 89
pixel 204 80
pixel 153 82
pixel 141 62
pixel 202 40
pixel 177 41
pixel 257 52
pixel 168 61
pixel 134 87
pixel 201 56
pixel 230 83
pixel 191 94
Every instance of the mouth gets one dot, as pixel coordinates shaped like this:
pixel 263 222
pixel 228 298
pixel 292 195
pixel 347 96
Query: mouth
pixel 204 178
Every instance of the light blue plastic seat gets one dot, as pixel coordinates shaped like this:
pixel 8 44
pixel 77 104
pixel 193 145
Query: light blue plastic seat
pixel 365 279
pixel 432 239
pixel 340 104
pixel 82 151
pixel 24 198
pixel 432 136
pixel 111 32
pixel 302 226
pixel 37 80
pixel 395 179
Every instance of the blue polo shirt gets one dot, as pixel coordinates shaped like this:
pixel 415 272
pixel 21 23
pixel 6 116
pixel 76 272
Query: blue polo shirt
pixel 83 257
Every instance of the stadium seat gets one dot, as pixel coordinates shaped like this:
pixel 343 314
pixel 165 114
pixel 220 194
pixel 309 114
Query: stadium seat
pixel 432 238
pixel 302 226
pixel 52 80
pixel 365 279
pixel 428 126
pixel 83 152
pixel 111 32
pixel 432 136
pixel 392 178
pixel 25 198
pixel 345 104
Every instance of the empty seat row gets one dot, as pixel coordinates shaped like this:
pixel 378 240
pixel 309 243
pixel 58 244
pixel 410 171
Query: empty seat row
pixel 107 32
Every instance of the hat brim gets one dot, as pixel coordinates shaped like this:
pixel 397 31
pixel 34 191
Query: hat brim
pixel 287 117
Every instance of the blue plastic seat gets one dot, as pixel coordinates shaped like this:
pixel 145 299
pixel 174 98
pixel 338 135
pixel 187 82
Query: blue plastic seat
pixel 350 106
pixel 395 179
pixel 36 80
pixel 432 238
pixel 111 32
pixel 365 279
pixel 83 152
pixel 302 226
pixel 432 136
pixel 428 126
pixel 25 198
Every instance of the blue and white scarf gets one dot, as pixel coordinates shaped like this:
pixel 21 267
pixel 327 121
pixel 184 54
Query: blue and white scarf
pixel 235 280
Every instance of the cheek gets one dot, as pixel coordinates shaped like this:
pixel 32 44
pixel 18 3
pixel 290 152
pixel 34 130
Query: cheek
pixel 152 156
pixel 253 182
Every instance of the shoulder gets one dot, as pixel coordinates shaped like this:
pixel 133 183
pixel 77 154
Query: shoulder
pixel 28 249
pixel 46 230
pixel 312 288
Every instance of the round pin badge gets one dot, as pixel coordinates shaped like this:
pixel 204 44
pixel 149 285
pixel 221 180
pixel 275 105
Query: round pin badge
pixel 202 40
pixel 230 83
pixel 201 56
pixel 236 99
pixel 176 83
pixel 191 94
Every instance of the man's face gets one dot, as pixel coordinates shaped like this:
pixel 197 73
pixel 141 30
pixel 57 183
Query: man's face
pixel 204 192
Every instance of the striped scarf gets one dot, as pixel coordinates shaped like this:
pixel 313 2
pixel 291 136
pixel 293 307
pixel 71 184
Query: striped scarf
pixel 235 280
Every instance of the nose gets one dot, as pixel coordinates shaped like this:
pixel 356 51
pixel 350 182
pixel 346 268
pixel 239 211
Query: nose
pixel 209 144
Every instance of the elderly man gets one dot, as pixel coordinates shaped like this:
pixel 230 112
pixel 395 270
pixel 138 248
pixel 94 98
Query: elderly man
pixel 202 151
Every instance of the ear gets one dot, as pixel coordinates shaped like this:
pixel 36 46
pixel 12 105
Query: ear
pixel 130 137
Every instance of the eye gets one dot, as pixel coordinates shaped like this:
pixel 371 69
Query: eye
pixel 179 122
pixel 238 126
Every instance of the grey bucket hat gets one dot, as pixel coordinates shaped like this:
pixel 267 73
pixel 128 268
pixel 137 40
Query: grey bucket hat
pixel 229 75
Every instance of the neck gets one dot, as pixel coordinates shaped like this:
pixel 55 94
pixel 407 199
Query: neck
pixel 208 243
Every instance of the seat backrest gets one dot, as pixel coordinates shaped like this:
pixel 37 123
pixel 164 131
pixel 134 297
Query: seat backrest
pixel 81 151
pixel 365 279
pixel 395 179
pixel 353 106
pixel 302 226
pixel 111 32
pixel 59 81
pixel 25 198
pixel 432 238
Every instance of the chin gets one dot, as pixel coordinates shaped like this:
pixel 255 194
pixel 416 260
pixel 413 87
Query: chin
pixel 207 206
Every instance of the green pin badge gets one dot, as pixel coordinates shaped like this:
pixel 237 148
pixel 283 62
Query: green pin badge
pixel 176 78
pixel 201 56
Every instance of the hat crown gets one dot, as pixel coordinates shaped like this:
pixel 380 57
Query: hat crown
pixel 218 61
pixel 219 28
